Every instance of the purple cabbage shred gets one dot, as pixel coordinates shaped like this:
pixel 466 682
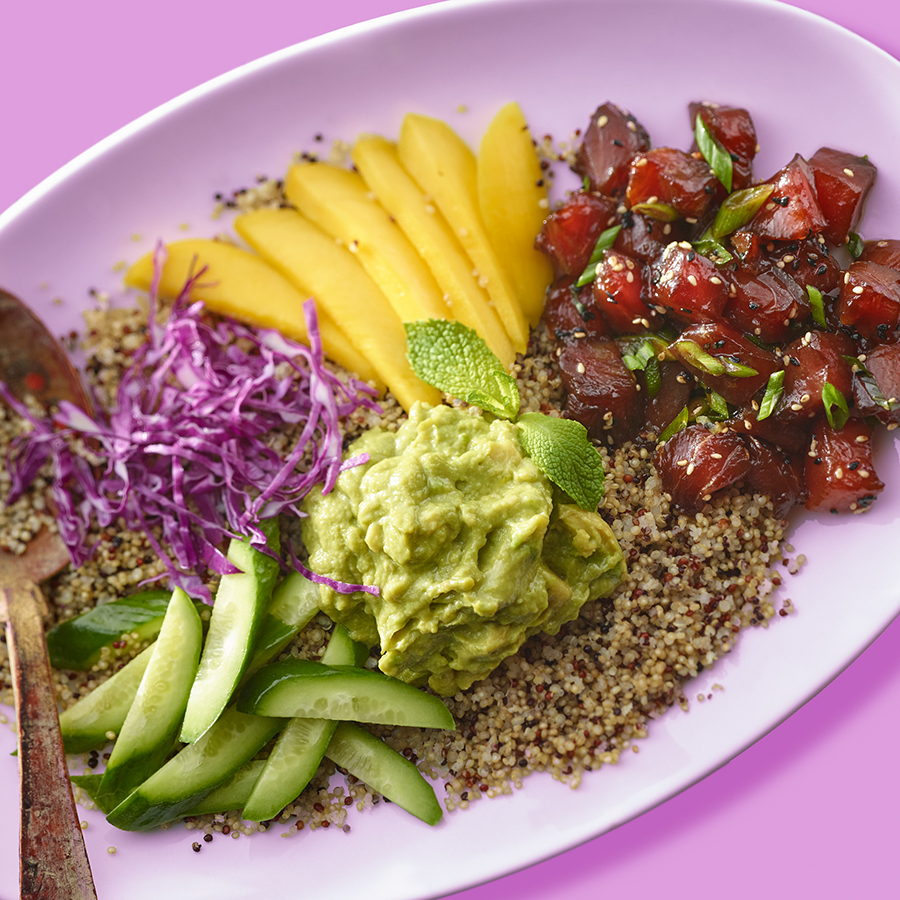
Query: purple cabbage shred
pixel 190 420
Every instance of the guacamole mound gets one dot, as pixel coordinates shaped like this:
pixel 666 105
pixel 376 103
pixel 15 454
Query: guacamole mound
pixel 459 531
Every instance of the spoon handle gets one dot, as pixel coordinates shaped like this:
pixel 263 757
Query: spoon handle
pixel 54 863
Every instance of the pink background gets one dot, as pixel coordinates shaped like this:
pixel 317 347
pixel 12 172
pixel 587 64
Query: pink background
pixel 776 821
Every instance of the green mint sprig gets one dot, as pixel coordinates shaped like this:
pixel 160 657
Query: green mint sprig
pixel 454 359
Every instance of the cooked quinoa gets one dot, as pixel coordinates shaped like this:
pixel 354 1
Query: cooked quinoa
pixel 565 704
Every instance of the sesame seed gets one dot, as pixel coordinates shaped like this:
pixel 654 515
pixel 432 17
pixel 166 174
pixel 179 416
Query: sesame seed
pixel 602 120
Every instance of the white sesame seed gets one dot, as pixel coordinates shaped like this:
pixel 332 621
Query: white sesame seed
pixel 601 122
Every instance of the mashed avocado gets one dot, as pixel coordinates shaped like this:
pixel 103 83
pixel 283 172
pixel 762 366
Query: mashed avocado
pixel 460 532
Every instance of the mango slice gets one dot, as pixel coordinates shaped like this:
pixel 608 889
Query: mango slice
pixel 240 284
pixel 378 163
pixel 445 168
pixel 320 267
pixel 512 194
pixel 338 201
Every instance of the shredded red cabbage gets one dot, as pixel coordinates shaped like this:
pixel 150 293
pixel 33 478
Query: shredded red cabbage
pixel 190 421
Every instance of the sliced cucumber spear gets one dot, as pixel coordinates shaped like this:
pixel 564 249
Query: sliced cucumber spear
pixel 301 687
pixel 231 794
pixel 298 752
pixel 154 719
pixel 237 615
pixel 382 768
pixel 78 643
pixel 295 603
pixel 190 776
pixel 87 724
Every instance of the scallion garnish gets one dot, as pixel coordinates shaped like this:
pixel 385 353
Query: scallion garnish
pixel 854 245
pixel 714 153
pixel 718 405
pixel 662 212
pixel 817 303
pixel 604 243
pixel 679 423
pixel 693 354
pixel 836 408
pixel 712 249
pixel 738 209
pixel 773 392
pixel 642 357
pixel 867 380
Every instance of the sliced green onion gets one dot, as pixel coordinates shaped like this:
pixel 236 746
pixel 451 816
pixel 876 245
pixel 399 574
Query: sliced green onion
pixel 641 356
pixel 738 209
pixel 867 379
pixel 737 369
pixel 679 423
pixel 854 244
pixel 586 183
pixel 693 354
pixel 604 242
pixel 773 392
pixel 835 406
pixel 663 212
pixel 718 405
pixel 817 303
pixel 653 377
pixel 714 153
pixel 714 250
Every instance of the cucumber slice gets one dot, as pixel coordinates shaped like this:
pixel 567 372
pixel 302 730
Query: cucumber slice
pixel 342 650
pixel 301 687
pixel 86 724
pixel 383 769
pixel 295 603
pixel 297 754
pixel 294 760
pixel 78 643
pixel 231 794
pixel 237 614
pixel 195 771
pixel 151 727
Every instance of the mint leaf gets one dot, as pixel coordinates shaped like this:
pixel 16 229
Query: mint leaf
pixel 561 450
pixel 454 359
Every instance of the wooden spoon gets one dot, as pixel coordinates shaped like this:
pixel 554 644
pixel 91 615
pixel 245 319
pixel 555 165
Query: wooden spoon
pixel 54 862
